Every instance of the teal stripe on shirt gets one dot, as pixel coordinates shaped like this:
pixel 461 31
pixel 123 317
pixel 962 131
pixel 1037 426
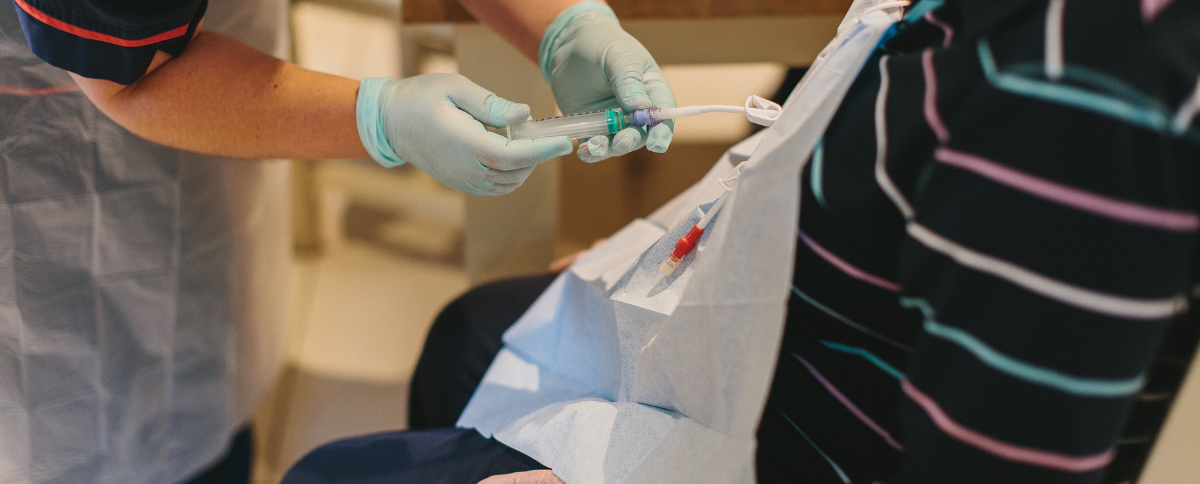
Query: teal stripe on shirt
pixel 1136 109
pixel 836 468
pixel 816 173
pixel 1088 387
pixel 867 355
pixel 849 322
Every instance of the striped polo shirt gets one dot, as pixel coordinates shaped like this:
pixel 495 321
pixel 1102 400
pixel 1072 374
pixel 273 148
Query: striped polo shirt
pixel 994 261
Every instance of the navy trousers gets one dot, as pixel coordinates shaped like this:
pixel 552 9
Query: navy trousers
pixel 462 343
pixel 234 467
pixel 435 456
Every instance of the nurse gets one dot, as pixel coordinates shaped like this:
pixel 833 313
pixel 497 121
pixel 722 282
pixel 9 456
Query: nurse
pixel 120 227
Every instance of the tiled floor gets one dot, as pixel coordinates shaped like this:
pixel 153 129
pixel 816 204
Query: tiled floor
pixel 369 313
pixel 361 317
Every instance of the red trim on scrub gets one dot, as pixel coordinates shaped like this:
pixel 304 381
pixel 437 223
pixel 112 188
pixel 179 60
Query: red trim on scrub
pixel 97 36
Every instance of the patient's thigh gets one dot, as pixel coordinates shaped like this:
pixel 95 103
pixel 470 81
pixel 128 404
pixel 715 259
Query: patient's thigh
pixel 449 456
pixel 464 339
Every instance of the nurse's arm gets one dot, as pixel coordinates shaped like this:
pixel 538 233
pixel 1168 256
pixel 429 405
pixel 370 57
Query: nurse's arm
pixel 223 97
pixel 520 22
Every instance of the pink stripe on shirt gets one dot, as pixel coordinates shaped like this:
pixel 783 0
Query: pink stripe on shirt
pixel 1150 8
pixel 850 405
pixel 931 113
pixel 1002 449
pixel 846 267
pixel 1129 212
pixel 947 30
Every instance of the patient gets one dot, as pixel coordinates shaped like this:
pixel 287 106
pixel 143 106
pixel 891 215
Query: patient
pixel 992 276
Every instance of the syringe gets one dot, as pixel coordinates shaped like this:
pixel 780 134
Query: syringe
pixel 688 242
pixel 575 126
pixel 610 121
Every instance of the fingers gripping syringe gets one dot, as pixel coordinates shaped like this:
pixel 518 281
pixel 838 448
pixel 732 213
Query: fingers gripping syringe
pixel 610 121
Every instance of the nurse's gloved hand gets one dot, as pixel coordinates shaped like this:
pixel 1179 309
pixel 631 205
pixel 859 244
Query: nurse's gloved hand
pixel 436 123
pixel 591 63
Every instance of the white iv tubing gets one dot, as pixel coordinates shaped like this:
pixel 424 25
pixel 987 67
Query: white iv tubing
pixel 726 182
pixel 672 113
pixel 757 109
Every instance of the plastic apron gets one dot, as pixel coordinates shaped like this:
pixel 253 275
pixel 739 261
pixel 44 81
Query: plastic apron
pixel 259 197
pixel 618 374
pixel 117 267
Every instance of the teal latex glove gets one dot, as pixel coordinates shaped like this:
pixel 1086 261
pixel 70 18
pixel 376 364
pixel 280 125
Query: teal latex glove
pixel 591 63
pixel 436 123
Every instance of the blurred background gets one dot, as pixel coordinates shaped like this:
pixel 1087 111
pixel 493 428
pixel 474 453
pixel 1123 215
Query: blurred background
pixel 379 252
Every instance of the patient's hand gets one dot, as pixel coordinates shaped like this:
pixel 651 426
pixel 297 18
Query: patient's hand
pixel 560 265
pixel 531 477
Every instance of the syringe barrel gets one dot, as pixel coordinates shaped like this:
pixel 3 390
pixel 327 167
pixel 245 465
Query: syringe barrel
pixel 575 126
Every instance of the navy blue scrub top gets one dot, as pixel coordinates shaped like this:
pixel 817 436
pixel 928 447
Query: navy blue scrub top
pixel 113 40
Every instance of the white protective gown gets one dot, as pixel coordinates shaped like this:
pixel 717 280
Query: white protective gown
pixel 142 288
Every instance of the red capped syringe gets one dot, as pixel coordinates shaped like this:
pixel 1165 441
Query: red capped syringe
pixel 688 242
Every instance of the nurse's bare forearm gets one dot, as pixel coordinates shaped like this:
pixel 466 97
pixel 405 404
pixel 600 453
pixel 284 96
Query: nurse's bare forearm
pixel 520 22
pixel 225 98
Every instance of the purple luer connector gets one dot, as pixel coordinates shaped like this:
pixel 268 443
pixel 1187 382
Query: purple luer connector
pixel 645 117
